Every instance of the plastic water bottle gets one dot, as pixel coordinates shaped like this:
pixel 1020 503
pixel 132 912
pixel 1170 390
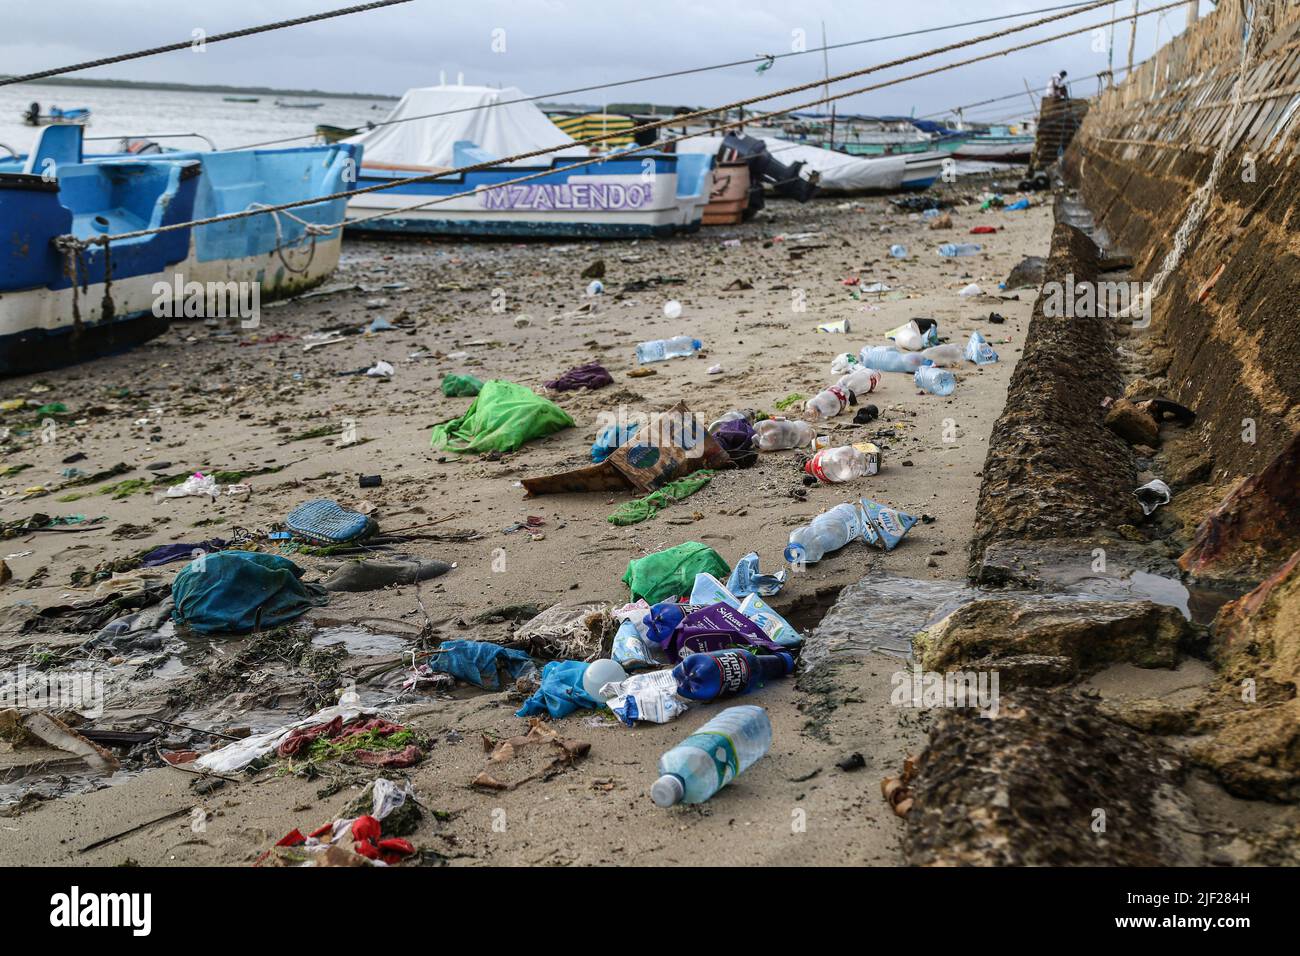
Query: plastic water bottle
pixel 828 532
pixel 828 403
pixel 949 354
pixel 679 346
pixel 728 673
pixel 713 756
pixel 898 252
pixel 778 434
pixel 950 250
pixel 834 465
pixel 936 381
pixel 889 359
pixel 860 381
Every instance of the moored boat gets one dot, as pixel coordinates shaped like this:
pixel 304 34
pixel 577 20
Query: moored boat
pixel 440 128
pixel 1005 149
pixel 63 302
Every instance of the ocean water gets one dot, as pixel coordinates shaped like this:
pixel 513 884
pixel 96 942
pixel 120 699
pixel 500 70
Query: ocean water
pixel 130 112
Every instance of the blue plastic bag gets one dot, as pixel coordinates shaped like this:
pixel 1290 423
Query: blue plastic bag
pixel 561 692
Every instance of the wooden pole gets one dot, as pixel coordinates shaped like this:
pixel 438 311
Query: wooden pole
pixel 1132 36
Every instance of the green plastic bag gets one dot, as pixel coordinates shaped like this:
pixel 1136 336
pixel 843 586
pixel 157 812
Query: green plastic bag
pixel 634 512
pixel 502 418
pixel 671 572
pixel 459 386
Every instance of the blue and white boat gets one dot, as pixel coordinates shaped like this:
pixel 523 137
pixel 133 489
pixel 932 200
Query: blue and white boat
pixel 60 306
pixel 448 127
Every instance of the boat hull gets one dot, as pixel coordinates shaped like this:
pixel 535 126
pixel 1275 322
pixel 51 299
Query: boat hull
pixel 127 295
pixel 623 197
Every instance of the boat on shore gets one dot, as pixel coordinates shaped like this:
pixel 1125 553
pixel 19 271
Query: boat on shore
pixel 77 116
pixel 995 148
pixel 626 195
pixel 61 305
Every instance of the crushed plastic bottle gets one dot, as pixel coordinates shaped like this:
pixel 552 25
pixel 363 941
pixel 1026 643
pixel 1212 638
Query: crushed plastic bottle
pixel 936 381
pixel 843 362
pixel 860 381
pixel 828 403
pixel 679 346
pixel 898 252
pixel 979 351
pixel 826 533
pixel 951 250
pixel 835 465
pixel 948 354
pixel 713 756
pixel 778 434
pixel 728 673
pixel 889 359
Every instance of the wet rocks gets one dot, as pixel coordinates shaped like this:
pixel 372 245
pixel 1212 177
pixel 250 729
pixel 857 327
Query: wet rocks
pixel 1254 744
pixel 1058 784
pixel 1255 527
pixel 1028 274
pixel 1045 641
pixel 1132 423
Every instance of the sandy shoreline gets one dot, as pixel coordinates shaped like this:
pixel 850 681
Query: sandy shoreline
pixel 233 399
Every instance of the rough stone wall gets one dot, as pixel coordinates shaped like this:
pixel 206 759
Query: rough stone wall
pixel 1231 352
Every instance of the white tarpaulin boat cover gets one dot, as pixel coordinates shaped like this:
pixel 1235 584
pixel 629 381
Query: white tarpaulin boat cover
pixel 469 114
pixel 840 172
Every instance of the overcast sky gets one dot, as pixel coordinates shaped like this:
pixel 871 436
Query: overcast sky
pixel 553 45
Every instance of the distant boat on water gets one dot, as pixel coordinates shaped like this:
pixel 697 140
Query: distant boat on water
pixel 241 99
pixel 78 116
pixel 284 105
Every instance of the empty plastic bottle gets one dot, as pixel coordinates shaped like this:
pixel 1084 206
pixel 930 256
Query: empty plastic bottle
pixel 778 434
pixel 728 673
pixel 948 354
pixel 828 532
pixel 898 252
pixel 834 465
pixel 713 756
pixel 951 249
pixel 936 381
pixel 889 359
pixel 828 403
pixel 860 381
pixel 679 346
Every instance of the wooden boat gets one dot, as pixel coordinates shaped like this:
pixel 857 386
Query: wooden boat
pixel 336 134
pixel 587 125
pixel 124 294
pixel 298 106
pixel 241 99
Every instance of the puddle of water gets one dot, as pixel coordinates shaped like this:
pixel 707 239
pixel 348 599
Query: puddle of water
pixel 361 642
pixel 880 614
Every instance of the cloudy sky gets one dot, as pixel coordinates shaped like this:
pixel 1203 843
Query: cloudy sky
pixel 545 46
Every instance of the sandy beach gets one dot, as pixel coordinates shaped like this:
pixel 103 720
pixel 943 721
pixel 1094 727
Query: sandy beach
pixel 219 398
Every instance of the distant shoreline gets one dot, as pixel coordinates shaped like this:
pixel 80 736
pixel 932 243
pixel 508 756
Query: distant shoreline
pixel 203 88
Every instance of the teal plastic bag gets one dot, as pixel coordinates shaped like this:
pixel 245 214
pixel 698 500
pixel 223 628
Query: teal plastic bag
pixel 234 592
pixel 671 573
pixel 502 418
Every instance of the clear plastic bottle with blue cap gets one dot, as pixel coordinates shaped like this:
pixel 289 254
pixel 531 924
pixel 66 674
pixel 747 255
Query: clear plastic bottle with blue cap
pixel 826 533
